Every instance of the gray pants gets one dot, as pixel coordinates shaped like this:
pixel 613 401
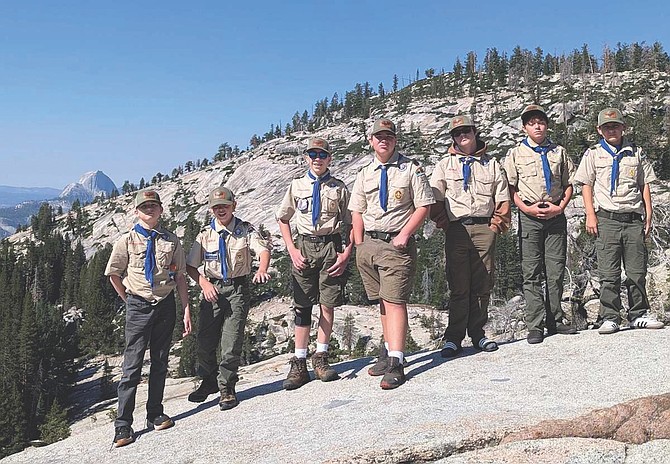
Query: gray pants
pixel 543 254
pixel 151 325
pixel 222 323
pixel 619 242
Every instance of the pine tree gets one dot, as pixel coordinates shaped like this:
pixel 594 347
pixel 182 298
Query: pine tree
pixel 55 427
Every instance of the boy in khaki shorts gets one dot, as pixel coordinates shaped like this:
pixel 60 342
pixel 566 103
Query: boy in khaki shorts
pixel 146 265
pixel 615 177
pixel 539 173
pixel 472 206
pixel 389 202
pixel 223 251
pixel 318 201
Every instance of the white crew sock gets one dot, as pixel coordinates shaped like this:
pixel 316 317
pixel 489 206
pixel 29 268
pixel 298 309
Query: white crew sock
pixel 321 347
pixel 397 354
pixel 301 353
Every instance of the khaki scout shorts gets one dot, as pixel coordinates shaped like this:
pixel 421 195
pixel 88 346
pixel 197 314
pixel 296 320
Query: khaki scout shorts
pixel 314 285
pixel 386 272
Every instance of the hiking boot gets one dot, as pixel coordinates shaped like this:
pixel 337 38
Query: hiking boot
pixel 381 366
pixel 228 398
pixel 160 422
pixel 395 376
pixel 297 375
pixel 608 327
pixel 322 370
pixel 534 337
pixel 563 329
pixel 207 387
pixel 645 322
pixel 123 436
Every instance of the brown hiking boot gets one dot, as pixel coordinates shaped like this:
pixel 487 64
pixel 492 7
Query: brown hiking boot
pixel 297 375
pixel 322 370
pixel 395 376
pixel 381 366
pixel 228 398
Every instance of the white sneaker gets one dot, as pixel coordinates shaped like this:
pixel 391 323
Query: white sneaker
pixel 609 327
pixel 646 322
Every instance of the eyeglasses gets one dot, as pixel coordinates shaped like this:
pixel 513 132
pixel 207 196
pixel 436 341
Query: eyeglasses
pixel 313 154
pixel 384 136
pixel 462 131
pixel 148 205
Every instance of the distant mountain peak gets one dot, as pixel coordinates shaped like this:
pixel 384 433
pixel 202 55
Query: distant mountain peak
pixel 90 185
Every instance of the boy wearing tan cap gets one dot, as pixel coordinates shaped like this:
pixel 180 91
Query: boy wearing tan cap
pixel 389 202
pixel 472 205
pixel 146 265
pixel 615 177
pixel 318 202
pixel 540 174
pixel 220 262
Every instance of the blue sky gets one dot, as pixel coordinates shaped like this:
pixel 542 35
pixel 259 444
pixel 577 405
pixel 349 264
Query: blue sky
pixel 136 88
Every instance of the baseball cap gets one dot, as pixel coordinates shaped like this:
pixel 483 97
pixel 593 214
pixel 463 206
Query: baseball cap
pixel 221 196
pixel 610 115
pixel 317 143
pixel 533 110
pixel 144 196
pixel 383 125
pixel 460 121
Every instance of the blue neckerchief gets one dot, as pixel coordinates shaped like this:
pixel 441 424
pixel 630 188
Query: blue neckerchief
pixel 316 195
pixel 467 169
pixel 383 187
pixel 223 255
pixel 616 159
pixel 150 257
pixel 542 150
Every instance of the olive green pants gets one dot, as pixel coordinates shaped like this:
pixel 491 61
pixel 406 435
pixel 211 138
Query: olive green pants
pixel 222 323
pixel 619 242
pixel 469 250
pixel 543 245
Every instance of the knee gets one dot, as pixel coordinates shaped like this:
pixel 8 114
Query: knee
pixel 303 316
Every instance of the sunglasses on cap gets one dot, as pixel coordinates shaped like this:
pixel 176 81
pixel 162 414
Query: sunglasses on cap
pixel 461 131
pixel 313 154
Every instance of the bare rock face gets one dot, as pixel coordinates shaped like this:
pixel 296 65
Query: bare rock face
pixel 637 421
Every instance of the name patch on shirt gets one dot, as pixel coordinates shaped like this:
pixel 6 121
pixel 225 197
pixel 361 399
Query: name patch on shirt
pixel 211 255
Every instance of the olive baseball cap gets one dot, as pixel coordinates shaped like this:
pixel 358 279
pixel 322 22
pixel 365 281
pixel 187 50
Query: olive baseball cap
pixel 533 110
pixel 145 196
pixel 610 115
pixel 221 196
pixel 460 121
pixel 383 125
pixel 317 143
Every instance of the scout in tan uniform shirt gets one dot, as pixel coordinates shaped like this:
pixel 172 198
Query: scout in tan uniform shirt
pixel 540 174
pixel 472 206
pixel 389 202
pixel 223 250
pixel 145 266
pixel 615 177
pixel 318 201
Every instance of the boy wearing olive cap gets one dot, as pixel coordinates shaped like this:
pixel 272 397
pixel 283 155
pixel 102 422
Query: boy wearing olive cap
pixel 615 177
pixel 146 265
pixel 540 175
pixel 472 206
pixel 318 202
pixel 222 251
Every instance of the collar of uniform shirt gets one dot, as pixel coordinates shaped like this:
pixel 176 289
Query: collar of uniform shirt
pixel 393 160
pixel 230 228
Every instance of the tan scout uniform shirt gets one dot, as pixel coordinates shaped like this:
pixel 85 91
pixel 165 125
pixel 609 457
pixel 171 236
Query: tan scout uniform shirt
pixel 523 167
pixel 241 239
pixel 334 216
pixel 487 186
pixel 127 261
pixel 635 171
pixel 408 189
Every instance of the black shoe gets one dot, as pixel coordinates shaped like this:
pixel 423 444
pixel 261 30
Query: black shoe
pixel 123 436
pixel 207 387
pixel 395 376
pixel 534 337
pixel 297 375
pixel 160 422
pixel 564 329
pixel 450 349
pixel 228 398
pixel 381 366
pixel 322 370
pixel 484 344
